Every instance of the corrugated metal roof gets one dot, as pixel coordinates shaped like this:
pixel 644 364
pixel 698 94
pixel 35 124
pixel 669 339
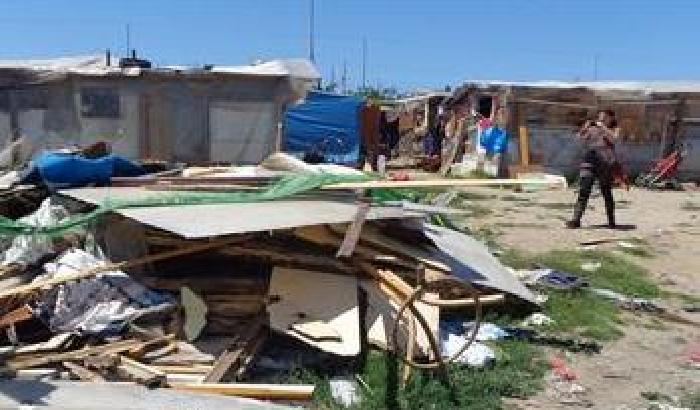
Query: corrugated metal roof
pixel 648 87
pixel 202 221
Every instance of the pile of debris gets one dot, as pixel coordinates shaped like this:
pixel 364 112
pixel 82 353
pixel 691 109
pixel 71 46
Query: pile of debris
pixel 212 279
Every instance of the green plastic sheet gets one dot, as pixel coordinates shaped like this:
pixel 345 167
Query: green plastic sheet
pixel 285 187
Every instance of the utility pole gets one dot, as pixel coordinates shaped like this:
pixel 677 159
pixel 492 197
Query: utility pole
pixel 364 62
pixel 312 13
pixel 344 79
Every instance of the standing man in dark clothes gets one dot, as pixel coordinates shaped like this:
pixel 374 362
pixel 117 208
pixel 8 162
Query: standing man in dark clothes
pixel 598 163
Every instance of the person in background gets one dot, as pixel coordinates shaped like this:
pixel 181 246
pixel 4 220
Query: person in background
pixel 598 163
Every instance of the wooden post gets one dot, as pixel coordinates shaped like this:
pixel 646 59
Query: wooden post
pixel 524 144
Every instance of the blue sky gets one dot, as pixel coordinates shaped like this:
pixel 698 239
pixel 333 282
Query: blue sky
pixel 411 43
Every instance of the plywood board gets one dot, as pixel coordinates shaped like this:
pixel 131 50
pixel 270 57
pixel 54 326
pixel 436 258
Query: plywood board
pixel 301 296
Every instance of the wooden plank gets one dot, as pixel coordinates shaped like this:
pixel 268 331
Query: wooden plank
pixel 352 235
pixel 427 183
pixel 89 272
pixel 323 235
pixel 141 373
pixel 41 360
pixel 256 391
pixel 285 257
pixel 524 141
pixel 192 369
pixel 195 313
pixel 83 373
pixel 231 359
pixel 15 316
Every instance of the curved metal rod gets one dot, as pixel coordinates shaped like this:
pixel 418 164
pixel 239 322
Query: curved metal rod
pixel 438 363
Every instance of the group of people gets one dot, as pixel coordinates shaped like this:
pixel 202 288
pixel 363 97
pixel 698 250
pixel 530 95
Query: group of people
pixel 458 129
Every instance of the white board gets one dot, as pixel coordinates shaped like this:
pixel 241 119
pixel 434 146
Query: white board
pixel 300 296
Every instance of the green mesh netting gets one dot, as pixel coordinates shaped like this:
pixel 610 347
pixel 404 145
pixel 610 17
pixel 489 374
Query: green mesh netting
pixel 284 187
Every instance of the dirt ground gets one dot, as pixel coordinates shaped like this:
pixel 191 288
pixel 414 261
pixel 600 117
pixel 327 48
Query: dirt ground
pixel 645 359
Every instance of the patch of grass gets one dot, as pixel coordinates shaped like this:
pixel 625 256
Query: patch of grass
pixel 518 372
pixel 641 248
pixel 516 259
pixel 616 273
pixel 690 206
pixel 583 314
pixel 486 235
pixel 691 400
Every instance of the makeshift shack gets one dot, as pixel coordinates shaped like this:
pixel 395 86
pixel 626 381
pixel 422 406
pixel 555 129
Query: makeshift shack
pixel 542 119
pixel 227 114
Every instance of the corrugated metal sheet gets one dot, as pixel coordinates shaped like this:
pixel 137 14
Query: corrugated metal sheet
pixel 202 221
pixel 471 260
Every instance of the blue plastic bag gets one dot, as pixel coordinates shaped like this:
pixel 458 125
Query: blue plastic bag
pixel 494 140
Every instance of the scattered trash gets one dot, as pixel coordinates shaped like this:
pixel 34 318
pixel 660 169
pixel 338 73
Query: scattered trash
pixel 560 369
pixel 537 319
pixel 591 266
pixel 562 342
pixel 561 280
pixel 486 331
pixel 344 390
pixel 692 354
pixel 454 335
pixel 627 245
pixel 629 303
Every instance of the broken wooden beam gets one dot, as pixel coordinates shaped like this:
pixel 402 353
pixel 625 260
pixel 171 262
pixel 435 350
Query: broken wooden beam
pixel 140 373
pixel 235 359
pixel 132 346
pixel 17 363
pixel 83 373
pixel 92 271
pixel 15 316
pixel 192 369
pixel 250 390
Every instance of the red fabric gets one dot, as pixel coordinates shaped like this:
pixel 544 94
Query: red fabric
pixel 560 368
pixel 485 123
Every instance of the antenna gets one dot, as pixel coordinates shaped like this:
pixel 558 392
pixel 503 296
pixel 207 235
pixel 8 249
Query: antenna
pixel 364 62
pixel 312 13
pixel 128 38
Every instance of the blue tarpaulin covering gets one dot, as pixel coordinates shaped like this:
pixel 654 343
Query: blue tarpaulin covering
pixel 328 124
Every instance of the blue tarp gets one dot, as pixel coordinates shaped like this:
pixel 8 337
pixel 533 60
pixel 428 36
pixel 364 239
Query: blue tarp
pixel 70 170
pixel 325 123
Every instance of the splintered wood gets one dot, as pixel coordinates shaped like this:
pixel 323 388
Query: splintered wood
pixel 235 360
